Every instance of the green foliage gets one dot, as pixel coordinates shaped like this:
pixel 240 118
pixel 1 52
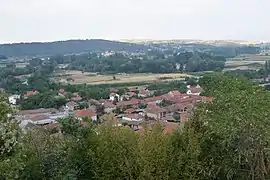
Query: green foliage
pixel 249 74
pixel 165 87
pixel 191 81
pixel 43 100
pixel 9 141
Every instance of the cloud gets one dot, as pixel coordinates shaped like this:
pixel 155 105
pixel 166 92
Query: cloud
pixel 37 20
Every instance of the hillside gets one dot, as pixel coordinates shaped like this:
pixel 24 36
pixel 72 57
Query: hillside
pixel 67 47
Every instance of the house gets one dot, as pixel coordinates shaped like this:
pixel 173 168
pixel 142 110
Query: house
pixel 62 91
pixel 174 94
pixel 130 110
pixel 43 111
pixel 39 120
pixel 94 101
pixel 71 106
pixel 13 99
pixel 30 93
pixel 125 97
pixel 195 90
pixel 131 94
pixel 133 117
pixel 76 98
pixel 86 113
pixel 180 107
pixel 109 107
pixel 114 97
pixel 127 103
pixel 156 99
pixel 113 90
pixel 132 89
pixel 155 112
pixel 39 117
pixel 143 93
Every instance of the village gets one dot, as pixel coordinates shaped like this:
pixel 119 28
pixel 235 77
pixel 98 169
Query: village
pixel 135 108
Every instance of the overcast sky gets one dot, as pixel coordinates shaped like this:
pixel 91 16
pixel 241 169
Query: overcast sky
pixel 49 20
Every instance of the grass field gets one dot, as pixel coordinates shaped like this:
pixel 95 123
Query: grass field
pixel 90 78
pixel 246 62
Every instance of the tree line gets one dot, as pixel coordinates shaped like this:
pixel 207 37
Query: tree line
pixel 119 63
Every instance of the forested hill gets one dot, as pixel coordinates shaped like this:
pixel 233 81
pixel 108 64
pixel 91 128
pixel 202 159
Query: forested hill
pixel 67 47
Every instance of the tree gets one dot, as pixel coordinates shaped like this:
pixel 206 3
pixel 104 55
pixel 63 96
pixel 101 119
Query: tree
pixel 237 141
pixel 9 141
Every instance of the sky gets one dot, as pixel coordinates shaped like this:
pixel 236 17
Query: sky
pixel 51 20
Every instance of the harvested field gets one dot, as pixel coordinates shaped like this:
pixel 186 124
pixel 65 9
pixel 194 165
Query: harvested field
pixel 91 78
pixel 246 62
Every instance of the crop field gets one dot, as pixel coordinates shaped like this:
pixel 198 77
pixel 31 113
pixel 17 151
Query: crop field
pixel 246 62
pixel 77 77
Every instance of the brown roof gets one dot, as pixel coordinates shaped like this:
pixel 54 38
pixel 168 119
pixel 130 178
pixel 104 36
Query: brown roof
pixel 175 93
pixel 108 105
pixel 133 116
pixel 38 111
pixel 94 101
pixel 52 126
pixel 61 90
pixel 72 104
pixel 143 92
pixel 130 110
pixel 133 89
pixel 154 110
pixel 113 90
pixel 85 113
pixel 130 102
pixel 196 90
pixel 39 118
pixel 152 99
pixel 132 94
pixel 77 98
pixel 30 93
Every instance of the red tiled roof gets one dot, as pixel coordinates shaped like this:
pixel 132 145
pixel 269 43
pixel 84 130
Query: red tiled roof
pixel 153 99
pixel 61 90
pixel 132 89
pixel 143 92
pixel 94 101
pixel 72 104
pixel 130 102
pixel 131 94
pixel 175 93
pixel 130 110
pixel 37 111
pixel 30 93
pixel 85 113
pixel 77 98
pixel 133 116
pixel 154 110
pixel 108 105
